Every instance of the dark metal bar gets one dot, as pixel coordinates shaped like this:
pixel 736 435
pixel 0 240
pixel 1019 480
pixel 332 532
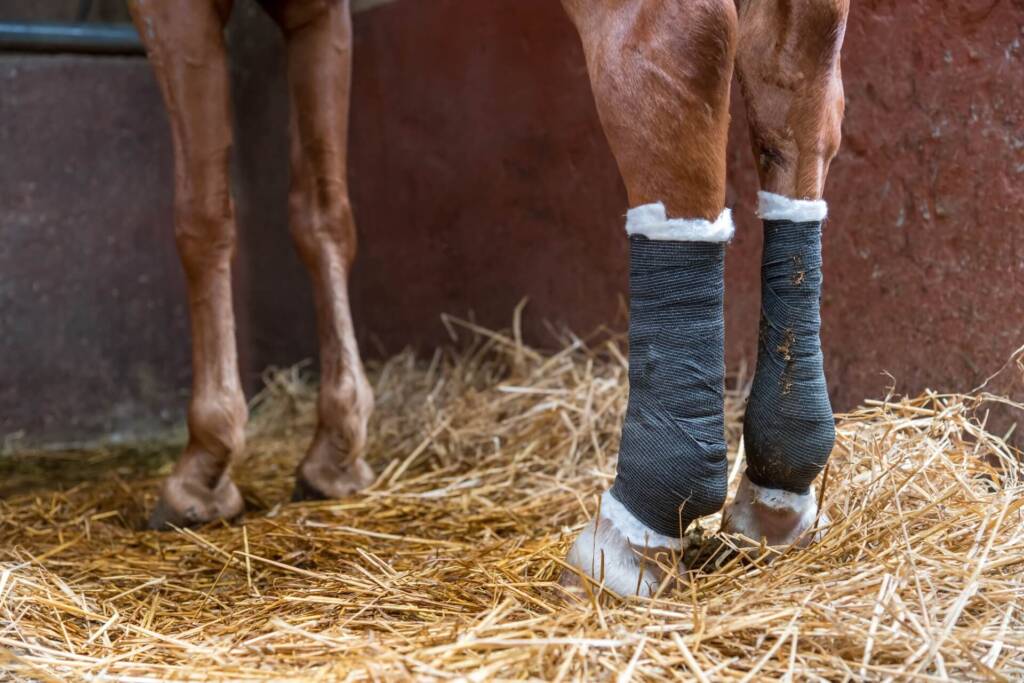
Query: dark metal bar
pixel 75 38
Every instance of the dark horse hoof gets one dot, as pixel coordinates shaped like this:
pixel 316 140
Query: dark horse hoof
pixel 304 491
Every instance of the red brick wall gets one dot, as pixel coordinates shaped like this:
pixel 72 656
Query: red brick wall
pixel 480 176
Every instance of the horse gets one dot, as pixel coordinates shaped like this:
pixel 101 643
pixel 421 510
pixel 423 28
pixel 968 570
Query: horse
pixel 661 73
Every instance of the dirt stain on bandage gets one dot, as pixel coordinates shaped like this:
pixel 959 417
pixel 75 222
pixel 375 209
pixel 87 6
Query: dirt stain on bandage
pixel 785 349
pixel 799 274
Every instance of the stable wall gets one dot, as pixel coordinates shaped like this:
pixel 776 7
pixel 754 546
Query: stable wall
pixel 479 176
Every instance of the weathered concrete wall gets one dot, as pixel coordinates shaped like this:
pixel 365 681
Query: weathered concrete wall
pixel 92 317
pixel 479 176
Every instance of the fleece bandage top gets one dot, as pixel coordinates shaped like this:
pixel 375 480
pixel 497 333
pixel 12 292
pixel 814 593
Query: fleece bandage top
pixel 672 464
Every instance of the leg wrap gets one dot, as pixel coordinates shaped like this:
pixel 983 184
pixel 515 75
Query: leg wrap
pixel 789 429
pixel 672 465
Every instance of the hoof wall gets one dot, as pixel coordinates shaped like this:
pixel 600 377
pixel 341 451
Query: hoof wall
pixel 304 491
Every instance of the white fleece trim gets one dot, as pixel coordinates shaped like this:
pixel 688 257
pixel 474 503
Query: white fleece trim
pixel 604 554
pixel 743 517
pixel 651 221
pixel 635 531
pixel 775 207
pixel 780 499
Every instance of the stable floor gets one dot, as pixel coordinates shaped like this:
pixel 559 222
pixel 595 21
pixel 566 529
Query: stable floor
pixel 491 458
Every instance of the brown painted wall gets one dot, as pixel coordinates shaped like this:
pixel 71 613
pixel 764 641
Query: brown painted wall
pixel 480 176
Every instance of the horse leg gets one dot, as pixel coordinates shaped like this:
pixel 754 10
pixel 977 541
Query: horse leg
pixel 319 45
pixel 660 72
pixel 788 64
pixel 186 47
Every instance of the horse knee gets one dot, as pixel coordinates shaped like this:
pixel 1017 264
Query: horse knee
pixel 687 46
pixel 827 19
pixel 711 37
pixel 821 26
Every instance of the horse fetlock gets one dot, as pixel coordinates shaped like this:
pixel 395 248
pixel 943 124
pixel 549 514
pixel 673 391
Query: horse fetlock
pixel 217 425
pixel 188 499
pixel 774 516
pixel 344 407
pixel 327 473
pixel 616 551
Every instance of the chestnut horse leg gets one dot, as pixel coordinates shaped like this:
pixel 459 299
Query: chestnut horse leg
pixel 319 44
pixel 788 63
pixel 660 72
pixel 788 66
pixel 186 47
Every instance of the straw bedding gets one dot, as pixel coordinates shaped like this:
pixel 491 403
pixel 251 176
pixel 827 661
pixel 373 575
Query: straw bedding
pixel 491 458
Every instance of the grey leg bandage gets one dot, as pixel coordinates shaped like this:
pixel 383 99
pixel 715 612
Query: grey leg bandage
pixel 789 429
pixel 672 465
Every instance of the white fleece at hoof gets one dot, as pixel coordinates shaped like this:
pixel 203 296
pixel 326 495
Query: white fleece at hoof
pixel 635 531
pixel 775 207
pixel 651 221
pixel 780 517
pixel 609 550
pixel 603 554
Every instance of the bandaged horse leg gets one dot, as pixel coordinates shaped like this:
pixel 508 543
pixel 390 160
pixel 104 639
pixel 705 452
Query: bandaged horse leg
pixel 672 466
pixel 660 71
pixel 318 36
pixel 788 64
pixel 186 48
